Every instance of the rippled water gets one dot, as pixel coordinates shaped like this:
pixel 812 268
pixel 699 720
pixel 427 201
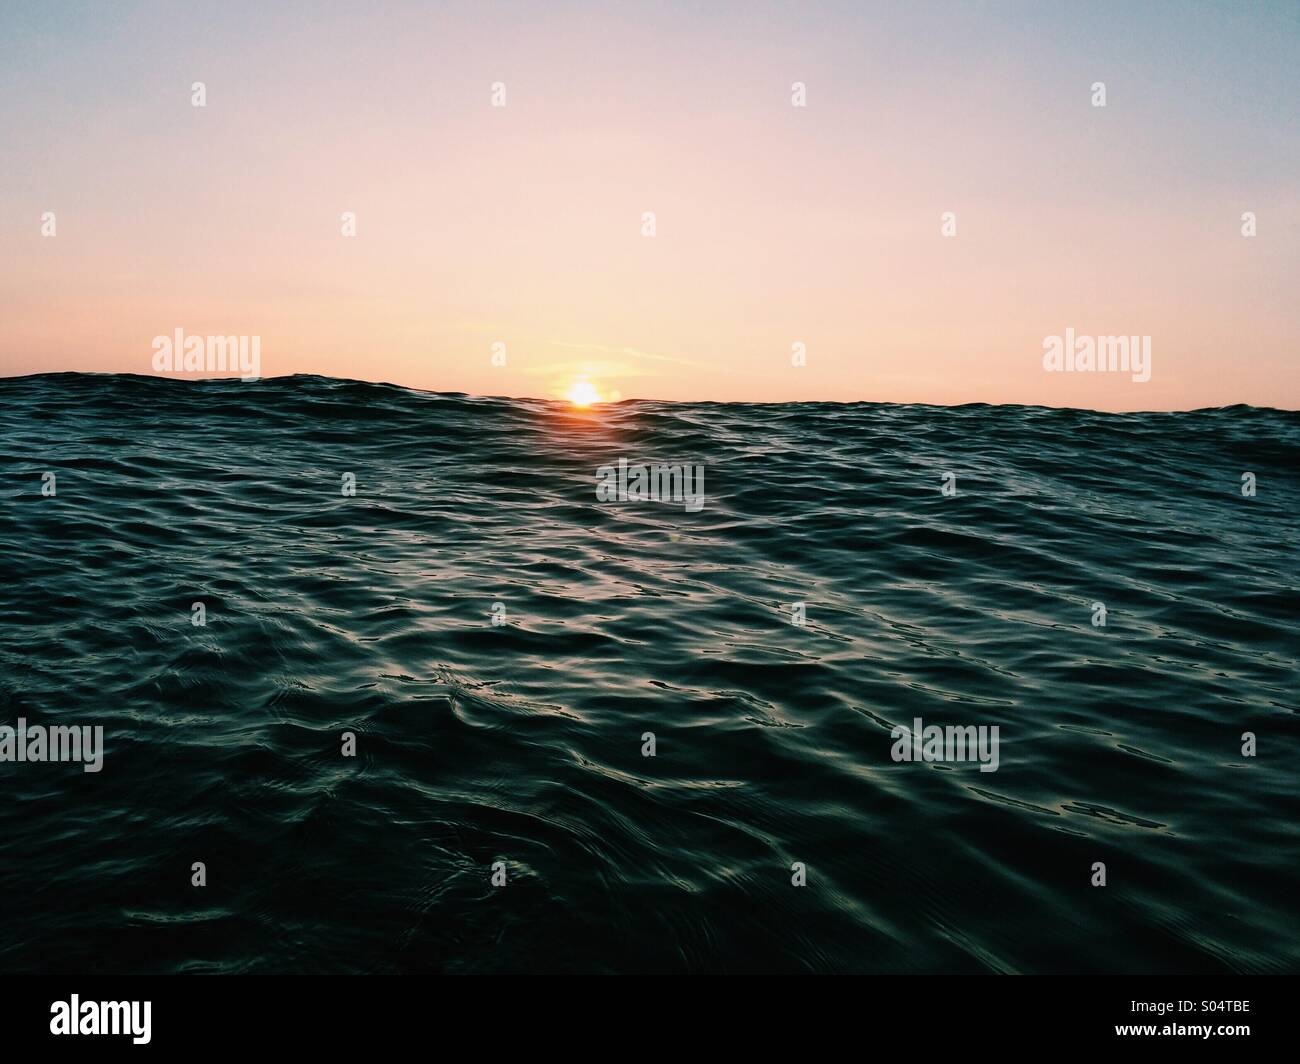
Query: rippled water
pixel 522 742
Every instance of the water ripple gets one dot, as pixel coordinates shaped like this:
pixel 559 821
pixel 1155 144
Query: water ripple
pixel 522 742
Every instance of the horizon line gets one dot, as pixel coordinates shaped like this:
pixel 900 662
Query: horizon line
pixel 638 399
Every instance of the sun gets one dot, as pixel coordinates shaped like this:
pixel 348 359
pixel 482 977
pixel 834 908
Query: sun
pixel 583 394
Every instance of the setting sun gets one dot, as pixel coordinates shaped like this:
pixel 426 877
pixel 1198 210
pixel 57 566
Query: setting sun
pixel 583 394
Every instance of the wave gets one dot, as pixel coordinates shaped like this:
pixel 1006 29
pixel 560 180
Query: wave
pixel 522 742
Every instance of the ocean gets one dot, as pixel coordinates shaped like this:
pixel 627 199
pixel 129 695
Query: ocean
pixel 385 687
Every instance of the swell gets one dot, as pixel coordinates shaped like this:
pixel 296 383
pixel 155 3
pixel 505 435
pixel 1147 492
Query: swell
pixel 522 742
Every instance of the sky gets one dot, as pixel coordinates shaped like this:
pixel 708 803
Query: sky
pixel 798 252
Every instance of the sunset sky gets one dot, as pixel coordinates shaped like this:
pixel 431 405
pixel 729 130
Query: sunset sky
pixel 774 224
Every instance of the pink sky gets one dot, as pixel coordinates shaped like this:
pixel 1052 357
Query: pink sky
pixel 775 224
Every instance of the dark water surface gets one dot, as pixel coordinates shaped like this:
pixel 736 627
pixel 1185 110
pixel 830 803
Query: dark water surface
pixel 522 743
